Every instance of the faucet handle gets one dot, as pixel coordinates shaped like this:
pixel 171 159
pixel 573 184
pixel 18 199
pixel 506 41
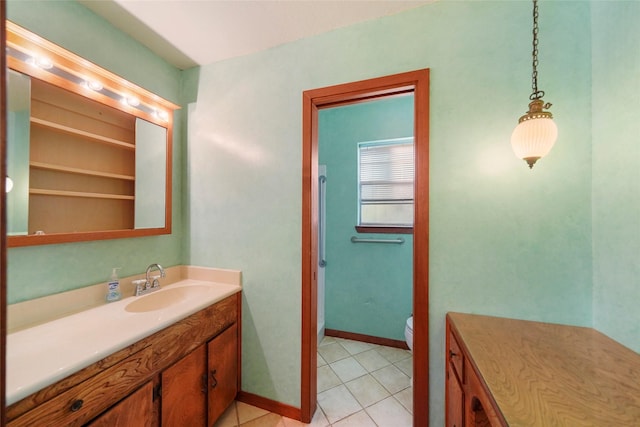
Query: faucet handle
pixel 139 284
pixel 156 282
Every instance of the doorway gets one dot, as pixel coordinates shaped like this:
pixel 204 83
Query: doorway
pixel 366 150
pixel 416 82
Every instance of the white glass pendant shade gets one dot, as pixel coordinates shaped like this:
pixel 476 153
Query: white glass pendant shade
pixel 534 138
pixel 535 134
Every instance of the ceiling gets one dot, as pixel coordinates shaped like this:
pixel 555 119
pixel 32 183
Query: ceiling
pixel 187 33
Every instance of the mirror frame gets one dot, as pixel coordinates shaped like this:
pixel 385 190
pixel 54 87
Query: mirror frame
pixel 25 41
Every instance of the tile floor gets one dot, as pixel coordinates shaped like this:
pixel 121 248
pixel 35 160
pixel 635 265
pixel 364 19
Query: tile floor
pixel 359 385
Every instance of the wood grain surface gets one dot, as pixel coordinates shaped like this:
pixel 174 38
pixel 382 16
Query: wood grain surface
pixel 103 383
pixel 94 395
pixel 542 374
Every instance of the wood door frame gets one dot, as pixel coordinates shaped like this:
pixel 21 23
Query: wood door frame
pixel 416 82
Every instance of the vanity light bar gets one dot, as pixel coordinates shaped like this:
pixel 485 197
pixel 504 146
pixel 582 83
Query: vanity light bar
pixel 46 64
pixel 24 47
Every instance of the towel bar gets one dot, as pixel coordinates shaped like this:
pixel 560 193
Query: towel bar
pixel 397 241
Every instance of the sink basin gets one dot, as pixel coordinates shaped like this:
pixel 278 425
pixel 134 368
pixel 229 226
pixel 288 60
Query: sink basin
pixel 165 298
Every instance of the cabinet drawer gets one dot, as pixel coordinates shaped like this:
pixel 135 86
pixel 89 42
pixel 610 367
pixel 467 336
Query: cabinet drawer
pixel 456 357
pixel 83 402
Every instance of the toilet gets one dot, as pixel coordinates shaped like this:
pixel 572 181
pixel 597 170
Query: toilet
pixel 408 333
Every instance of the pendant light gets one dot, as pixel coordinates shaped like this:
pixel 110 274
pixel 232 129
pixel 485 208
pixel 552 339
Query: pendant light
pixel 536 132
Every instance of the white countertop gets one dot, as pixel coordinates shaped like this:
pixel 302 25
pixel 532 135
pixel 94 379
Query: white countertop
pixel 41 355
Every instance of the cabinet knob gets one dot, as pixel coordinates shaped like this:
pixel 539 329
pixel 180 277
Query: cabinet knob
pixel 214 381
pixel 76 405
pixel 452 354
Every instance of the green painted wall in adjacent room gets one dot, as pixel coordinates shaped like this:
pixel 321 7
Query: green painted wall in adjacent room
pixel 369 286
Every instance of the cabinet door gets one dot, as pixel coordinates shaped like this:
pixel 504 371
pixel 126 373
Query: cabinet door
pixel 455 400
pixel 184 391
pixel 223 372
pixel 135 410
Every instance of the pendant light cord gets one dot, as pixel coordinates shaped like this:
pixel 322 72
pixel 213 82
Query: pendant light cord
pixel 537 94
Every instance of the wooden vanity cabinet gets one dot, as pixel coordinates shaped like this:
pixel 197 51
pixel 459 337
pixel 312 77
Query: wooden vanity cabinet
pixel 184 375
pixel 507 372
pixel 79 404
pixel 454 390
pixel 467 402
pixel 454 375
pixel 455 402
pixel 134 410
pixel 198 389
pixel 222 372
pixel 183 401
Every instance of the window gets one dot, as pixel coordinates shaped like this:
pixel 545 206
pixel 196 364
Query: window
pixel 385 183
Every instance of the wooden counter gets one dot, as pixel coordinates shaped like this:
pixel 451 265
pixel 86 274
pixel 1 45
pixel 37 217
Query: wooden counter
pixel 185 374
pixel 523 373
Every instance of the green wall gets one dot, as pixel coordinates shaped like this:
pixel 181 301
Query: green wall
pixel 504 240
pixel 38 271
pixel 616 174
pixel 368 286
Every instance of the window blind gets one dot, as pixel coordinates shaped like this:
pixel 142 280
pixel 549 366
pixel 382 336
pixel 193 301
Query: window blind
pixel 386 175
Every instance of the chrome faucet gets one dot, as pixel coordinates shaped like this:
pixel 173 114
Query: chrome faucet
pixel 149 283
pixel 155 283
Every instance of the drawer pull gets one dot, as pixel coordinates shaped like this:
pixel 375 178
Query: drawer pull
pixel 214 381
pixel 76 405
pixel 452 354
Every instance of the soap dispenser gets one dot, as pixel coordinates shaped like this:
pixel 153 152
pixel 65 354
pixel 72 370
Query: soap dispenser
pixel 113 292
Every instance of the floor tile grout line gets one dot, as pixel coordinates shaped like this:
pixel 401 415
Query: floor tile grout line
pixel 363 406
pixel 402 405
pixel 323 413
pixel 370 417
pixel 365 368
pixel 373 376
pixel 368 372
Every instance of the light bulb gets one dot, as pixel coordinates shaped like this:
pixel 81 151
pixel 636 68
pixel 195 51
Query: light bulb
pixel 40 62
pixel 130 100
pixel 93 85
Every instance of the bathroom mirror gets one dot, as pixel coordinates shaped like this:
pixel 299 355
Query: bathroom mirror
pixel 89 153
